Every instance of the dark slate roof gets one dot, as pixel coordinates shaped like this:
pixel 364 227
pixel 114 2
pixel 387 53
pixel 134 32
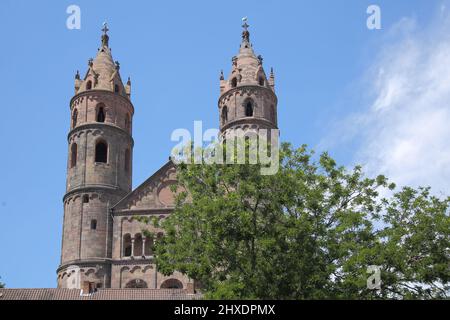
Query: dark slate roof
pixel 100 294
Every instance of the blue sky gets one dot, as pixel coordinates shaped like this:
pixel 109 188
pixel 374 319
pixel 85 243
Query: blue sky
pixel 375 97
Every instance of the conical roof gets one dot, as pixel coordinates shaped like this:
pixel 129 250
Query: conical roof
pixel 103 72
pixel 247 67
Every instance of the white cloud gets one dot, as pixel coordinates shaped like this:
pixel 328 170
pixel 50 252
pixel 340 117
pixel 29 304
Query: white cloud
pixel 404 130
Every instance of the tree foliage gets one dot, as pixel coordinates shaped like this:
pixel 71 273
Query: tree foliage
pixel 307 232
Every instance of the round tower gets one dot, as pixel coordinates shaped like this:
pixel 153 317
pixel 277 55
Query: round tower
pixel 247 98
pixel 99 170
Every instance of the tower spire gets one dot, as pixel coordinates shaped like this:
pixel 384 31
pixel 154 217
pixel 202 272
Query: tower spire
pixel 103 72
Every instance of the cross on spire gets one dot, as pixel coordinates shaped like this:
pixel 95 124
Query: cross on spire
pixel 245 25
pixel 105 37
pixel 105 28
pixel 245 33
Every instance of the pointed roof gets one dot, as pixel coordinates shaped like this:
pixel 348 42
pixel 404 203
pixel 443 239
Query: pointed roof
pixel 246 66
pixel 103 72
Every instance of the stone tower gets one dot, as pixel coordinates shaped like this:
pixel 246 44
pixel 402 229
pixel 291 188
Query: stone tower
pixel 247 98
pixel 99 170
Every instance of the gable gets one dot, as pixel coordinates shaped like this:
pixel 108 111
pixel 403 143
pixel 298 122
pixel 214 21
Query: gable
pixel 154 193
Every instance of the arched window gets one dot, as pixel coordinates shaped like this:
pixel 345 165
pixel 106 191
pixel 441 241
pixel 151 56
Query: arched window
pixel 172 284
pixel 74 118
pixel 137 245
pixel 116 88
pixel 101 152
pixel 89 85
pixel 261 81
pixel 127 160
pixel 93 224
pixel 136 284
pixel 234 82
pixel 86 198
pixel 249 109
pixel 73 155
pixel 127 122
pixel 224 114
pixel 127 245
pixel 101 114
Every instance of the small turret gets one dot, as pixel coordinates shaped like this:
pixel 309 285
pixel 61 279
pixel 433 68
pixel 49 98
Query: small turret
pixel 128 88
pixel 222 82
pixel 77 81
pixel 272 80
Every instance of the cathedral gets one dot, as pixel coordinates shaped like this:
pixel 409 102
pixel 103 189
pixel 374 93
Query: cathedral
pixel 103 243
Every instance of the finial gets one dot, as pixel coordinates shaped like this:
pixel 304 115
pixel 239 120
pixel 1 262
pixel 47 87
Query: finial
pixel 260 59
pixel 77 76
pixel 271 72
pixel 245 33
pixel 221 75
pixel 90 62
pixel 105 37
pixel 117 65
pixel 129 81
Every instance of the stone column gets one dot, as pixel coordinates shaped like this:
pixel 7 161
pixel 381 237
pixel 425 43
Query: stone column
pixel 143 246
pixel 155 277
pixel 132 247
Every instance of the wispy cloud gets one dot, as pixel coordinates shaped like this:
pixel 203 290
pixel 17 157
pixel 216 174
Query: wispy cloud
pixel 403 130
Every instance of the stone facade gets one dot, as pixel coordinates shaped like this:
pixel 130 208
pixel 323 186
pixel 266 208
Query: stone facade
pixel 104 244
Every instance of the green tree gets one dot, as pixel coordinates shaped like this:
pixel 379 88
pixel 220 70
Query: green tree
pixel 307 232
pixel 414 249
pixel 2 285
